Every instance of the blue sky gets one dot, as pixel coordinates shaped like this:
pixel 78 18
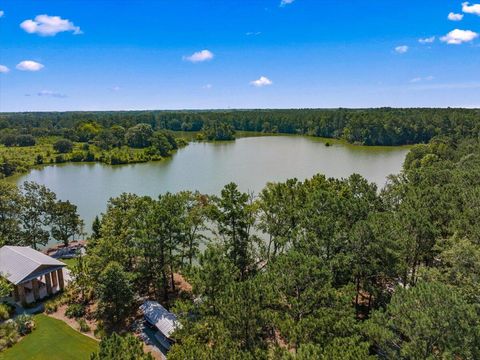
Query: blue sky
pixel 137 54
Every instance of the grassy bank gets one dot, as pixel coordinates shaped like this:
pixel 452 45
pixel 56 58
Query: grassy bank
pixel 51 340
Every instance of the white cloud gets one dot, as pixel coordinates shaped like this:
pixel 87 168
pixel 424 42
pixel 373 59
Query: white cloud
pixel 2 13
pixel 29 65
pixel 116 88
pixel 455 17
pixel 457 37
pixel 199 56
pixel 262 81
pixel 421 79
pixel 286 2
pixel 401 49
pixel 427 40
pixel 207 86
pixel 45 25
pixel 471 9
pixel 51 94
pixel 253 33
pixel 4 69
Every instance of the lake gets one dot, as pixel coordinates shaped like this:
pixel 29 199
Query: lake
pixel 250 162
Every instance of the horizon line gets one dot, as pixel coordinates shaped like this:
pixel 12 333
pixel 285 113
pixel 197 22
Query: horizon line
pixel 248 109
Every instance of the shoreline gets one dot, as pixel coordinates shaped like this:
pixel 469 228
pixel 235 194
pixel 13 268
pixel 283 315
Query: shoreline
pixel 240 135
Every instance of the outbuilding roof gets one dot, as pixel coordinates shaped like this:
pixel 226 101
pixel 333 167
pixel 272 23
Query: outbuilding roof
pixel 22 263
pixel 157 315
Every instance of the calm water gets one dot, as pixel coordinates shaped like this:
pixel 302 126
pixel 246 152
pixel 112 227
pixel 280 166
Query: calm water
pixel 207 167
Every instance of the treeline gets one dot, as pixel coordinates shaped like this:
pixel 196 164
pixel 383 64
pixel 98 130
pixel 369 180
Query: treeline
pixel 385 126
pixel 319 269
pixel 139 136
pixel 87 142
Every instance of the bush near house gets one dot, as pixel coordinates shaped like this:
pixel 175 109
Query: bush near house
pixel 8 335
pixel 83 325
pixel 6 311
pixel 11 331
pixel 75 311
pixel 25 324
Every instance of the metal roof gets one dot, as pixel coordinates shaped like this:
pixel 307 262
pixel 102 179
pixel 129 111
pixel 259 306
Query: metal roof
pixel 157 315
pixel 19 263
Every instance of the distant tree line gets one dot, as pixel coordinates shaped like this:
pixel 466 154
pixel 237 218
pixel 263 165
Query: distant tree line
pixel 384 126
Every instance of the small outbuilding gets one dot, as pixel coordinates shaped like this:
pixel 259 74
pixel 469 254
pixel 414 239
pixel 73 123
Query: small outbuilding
pixel 162 320
pixel 33 275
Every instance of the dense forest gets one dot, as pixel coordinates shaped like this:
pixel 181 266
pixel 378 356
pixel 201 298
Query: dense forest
pixel 317 269
pixel 384 126
pixel 30 139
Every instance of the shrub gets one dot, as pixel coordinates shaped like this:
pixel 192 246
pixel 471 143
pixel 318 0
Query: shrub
pixel 25 324
pixel 63 146
pixel 8 335
pixel 39 159
pixel 75 311
pixel 9 140
pixel 100 331
pixel 51 306
pixel 59 159
pixel 68 296
pixel 89 156
pixel 25 140
pixel 114 160
pixel 83 325
pixel 4 312
pixel 77 156
pixel 8 167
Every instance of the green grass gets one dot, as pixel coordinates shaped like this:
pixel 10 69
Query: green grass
pixel 70 262
pixel 51 340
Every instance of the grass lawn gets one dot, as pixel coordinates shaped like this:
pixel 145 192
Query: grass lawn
pixel 70 262
pixel 51 340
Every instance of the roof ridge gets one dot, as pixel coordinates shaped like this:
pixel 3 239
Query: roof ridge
pixel 21 254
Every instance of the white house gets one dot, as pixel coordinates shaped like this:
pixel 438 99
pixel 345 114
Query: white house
pixel 34 275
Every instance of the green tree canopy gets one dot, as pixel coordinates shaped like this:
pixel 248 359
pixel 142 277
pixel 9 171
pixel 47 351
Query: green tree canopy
pixel 116 347
pixel 427 321
pixel 139 136
pixel 115 295
pixel 63 146
pixel 36 206
pixel 65 221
